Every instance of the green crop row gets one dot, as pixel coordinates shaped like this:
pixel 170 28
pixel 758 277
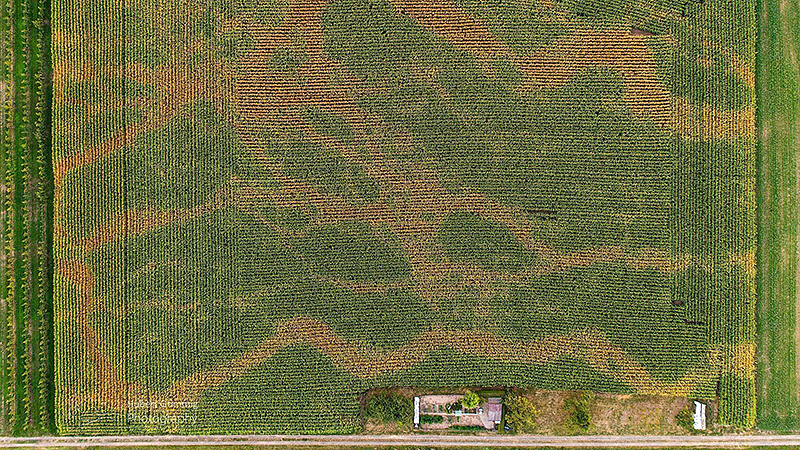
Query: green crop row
pixel 440 220
pixel 27 359
pixel 717 175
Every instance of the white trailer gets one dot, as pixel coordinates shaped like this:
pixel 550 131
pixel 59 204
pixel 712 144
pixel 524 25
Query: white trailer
pixel 699 416
pixel 416 412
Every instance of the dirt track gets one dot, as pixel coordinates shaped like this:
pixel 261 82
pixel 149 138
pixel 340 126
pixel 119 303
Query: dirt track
pixel 412 439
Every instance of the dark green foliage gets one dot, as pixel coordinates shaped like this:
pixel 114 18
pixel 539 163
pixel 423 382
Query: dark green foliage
pixel 329 124
pixel 525 26
pixel 530 210
pixel 578 409
pixel 461 369
pixel 621 302
pixel 268 283
pixel 293 218
pixel 104 181
pixel 778 79
pixel 197 147
pixel 351 252
pixel 468 237
pixel 320 165
pixel 430 419
pixel 168 287
pixel 648 15
pixel 389 407
pixel 737 401
pixel 287 60
pixel 26 219
pixel 394 41
pixel 286 388
pixel 507 74
pixel 609 189
pixel 692 292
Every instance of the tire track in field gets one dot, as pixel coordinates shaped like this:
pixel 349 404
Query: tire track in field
pixel 588 345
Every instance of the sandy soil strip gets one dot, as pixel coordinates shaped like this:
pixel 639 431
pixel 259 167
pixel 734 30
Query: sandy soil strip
pixel 416 440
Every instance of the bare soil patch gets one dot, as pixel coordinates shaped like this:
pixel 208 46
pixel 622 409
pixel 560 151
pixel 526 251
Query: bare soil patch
pixel 612 413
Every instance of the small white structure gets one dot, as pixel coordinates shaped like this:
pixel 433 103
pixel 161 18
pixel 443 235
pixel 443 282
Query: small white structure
pixel 699 416
pixel 416 412
pixel 495 407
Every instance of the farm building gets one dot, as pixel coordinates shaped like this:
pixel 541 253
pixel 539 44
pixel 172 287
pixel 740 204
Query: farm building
pixel 494 409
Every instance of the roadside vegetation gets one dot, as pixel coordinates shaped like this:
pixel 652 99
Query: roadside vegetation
pixel 578 409
pixel 685 419
pixel 520 412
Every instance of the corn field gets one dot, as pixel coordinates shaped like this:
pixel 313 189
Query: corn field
pixel 261 209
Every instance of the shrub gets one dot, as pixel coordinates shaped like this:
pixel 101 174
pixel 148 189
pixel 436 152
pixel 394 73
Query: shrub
pixel 389 408
pixel 467 427
pixel 470 400
pixel 578 409
pixel 427 418
pixel 685 419
pixel 520 413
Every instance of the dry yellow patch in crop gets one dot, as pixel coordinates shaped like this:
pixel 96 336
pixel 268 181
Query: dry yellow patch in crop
pixel 645 94
pixel 743 69
pixel 745 260
pixel 109 390
pixel 707 123
pixel 726 124
pixel 457 27
pixel 740 360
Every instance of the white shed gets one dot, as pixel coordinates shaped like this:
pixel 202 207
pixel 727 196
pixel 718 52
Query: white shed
pixel 416 412
pixel 699 416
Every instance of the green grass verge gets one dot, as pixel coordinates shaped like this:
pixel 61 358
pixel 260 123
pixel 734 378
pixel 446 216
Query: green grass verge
pixel 778 79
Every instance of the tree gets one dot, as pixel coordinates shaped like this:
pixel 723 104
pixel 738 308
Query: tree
pixel 520 412
pixel 470 400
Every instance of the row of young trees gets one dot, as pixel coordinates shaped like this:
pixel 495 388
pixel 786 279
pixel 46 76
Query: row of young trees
pixel 26 354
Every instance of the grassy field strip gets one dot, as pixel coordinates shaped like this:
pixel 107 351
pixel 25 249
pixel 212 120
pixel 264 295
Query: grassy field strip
pixel 5 209
pixel 779 280
pixel 26 367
